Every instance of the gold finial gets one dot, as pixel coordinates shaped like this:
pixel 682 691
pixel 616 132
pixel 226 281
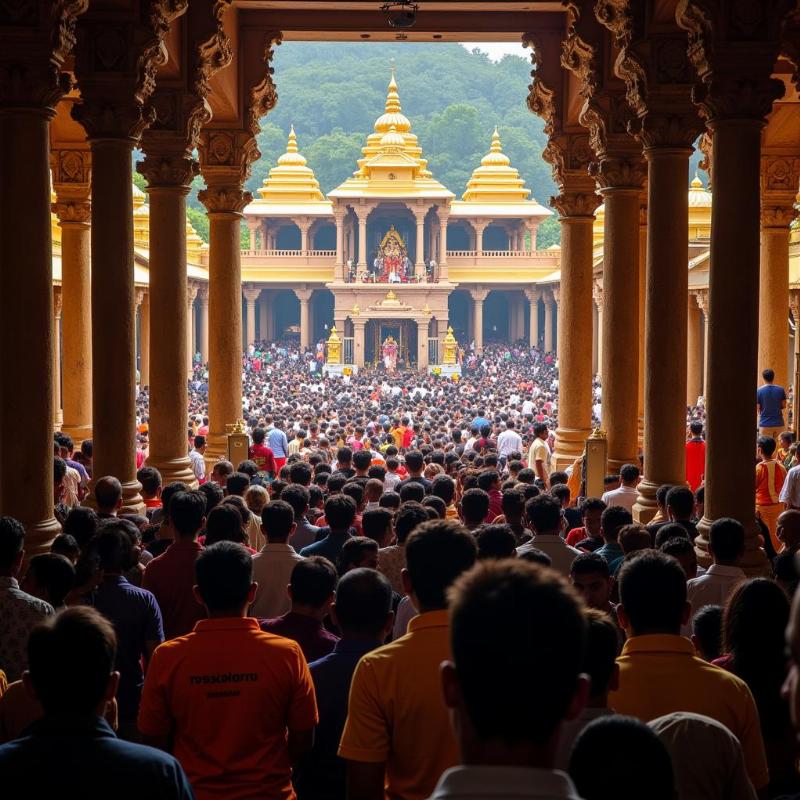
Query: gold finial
pixel 696 183
pixel 497 146
pixel 392 96
pixel 394 67
pixel 291 147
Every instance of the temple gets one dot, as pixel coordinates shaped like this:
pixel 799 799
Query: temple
pixel 390 252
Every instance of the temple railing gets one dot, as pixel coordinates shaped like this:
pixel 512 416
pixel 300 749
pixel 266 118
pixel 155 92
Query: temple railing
pixel 347 349
pixel 433 350
pixel 291 253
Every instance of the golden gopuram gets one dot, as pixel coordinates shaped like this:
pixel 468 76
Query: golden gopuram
pixel 664 294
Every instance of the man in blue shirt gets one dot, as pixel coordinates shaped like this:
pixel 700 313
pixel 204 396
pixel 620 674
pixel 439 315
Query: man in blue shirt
pixel 278 443
pixel 71 751
pixel 363 612
pixel 771 402
pixel 340 511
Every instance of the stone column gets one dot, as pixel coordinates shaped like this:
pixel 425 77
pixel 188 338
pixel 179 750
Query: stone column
pixel 263 310
pixel 251 294
pixel 58 414
pixel 224 204
pixel 794 304
pixel 191 325
pixel 702 301
pixel 358 341
pixel 480 226
pixel 444 216
pixel 304 295
pixel 143 304
pixel 597 297
pixel 557 316
pixel 694 361
pixel 169 176
pixel 305 225
pixel 533 296
pixel 202 299
pixel 422 344
pixel 548 322
pixel 478 295
pixel 338 269
pixel 620 355
pixel 419 263
pixel 253 226
pixel 74 212
pixel 362 212
pixel 641 304
pixel 777 213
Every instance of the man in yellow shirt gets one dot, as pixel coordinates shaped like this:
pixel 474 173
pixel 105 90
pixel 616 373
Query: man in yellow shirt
pixel 397 736
pixel 539 454
pixel 659 671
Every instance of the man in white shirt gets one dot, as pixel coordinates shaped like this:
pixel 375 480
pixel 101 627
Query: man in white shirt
pixel 196 457
pixel 726 545
pixel 539 454
pixel 509 440
pixel 627 493
pixel 273 565
pixel 790 493
pixel 545 520
pixel 493 732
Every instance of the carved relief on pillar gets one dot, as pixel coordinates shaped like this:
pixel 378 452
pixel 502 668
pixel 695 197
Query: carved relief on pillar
pixel 117 58
pixel 701 295
pixel 576 204
pixel 780 176
pixel 706 148
pixel 732 85
pixel 794 304
pixel 202 294
pixel 556 292
pixel 251 293
pixel 33 54
pixel 57 302
pixel 221 199
pixel 138 296
pixel 192 288
pixel 71 170
pixel 597 293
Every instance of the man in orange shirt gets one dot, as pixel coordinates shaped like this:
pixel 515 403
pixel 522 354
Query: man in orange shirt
pixel 770 475
pixel 236 704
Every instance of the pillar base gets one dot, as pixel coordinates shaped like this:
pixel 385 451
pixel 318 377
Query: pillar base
pixel 77 433
pixel 570 444
pixel 645 507
pixel 216 450
pixel 754 560
pixel 175 469
pixel 39 535
pixel 58 420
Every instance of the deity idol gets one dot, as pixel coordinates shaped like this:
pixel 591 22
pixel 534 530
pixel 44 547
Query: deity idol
pixel 389 352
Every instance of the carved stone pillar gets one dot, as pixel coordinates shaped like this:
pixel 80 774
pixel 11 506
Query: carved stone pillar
pixel 358 341
pixel 191 325
pixel 597 297
pixel 701 295
pixel 143 305
pixel 304 295
pixel 422 344
pixel 71 174
pixel 419 261
pixel 694 360
pixel 794 305
pixel 202 299
pixel 641 307
pixel 548 322
pixel 533 296
pixel 480 226
pixel 30 61
pixel 58 414
pixel 305 225
pixel 444 216
pixel 777 212
pixel 263 312
pixel 338 216
pixel 734 58
pixel 253 226
pixel 251 294
pixel 478 296
pixel 362 212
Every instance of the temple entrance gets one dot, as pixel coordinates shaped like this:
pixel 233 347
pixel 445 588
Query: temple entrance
pixel 403 331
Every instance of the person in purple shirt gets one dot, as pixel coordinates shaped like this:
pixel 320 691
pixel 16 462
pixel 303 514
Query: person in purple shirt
pixel 363 612
pixel 135 615
pixel 312 589
pixel 771 402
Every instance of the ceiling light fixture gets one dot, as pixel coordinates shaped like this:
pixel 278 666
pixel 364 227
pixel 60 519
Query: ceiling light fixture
pixel 400 13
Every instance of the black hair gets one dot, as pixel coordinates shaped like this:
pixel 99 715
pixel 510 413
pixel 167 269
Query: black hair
pixel 313 581
pixel 12 541
pixel 495 541
pixel 409 516
pixel 277 519
pixel 224 574
pixel 652 590
pixel 186 512
pixel 363 602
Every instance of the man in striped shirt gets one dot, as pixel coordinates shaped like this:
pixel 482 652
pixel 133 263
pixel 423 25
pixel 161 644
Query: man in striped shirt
pixel 770 477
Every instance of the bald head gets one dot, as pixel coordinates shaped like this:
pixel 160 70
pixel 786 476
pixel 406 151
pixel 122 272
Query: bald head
pixel 788 529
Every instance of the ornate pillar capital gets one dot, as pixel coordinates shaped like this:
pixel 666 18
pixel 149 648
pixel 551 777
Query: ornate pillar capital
pixel 533 295
pixel 597 292
pixel 556 292
pixel 479 294
pixel 251 293
pixel 303 295
pixel 71 169
pixel 780 177
pixel 191 291
pixel 570 204
pixel 701 296
pixel 794 304
pixel 57 302
pixel 173 171
pixel 73 212
pixel 223 199
pixel 202 294
pixel 138 295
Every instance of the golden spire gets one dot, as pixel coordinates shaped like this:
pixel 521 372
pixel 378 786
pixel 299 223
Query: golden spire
pixel 495 180
pixel 392 114
pixel 292 180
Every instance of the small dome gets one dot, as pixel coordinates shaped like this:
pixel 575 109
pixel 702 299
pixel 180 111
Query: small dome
pixel 291 180
pixel 496 157
pixel 392 116
pixel 392 139
pixel 495 180
pixel 292 157
pixel 699 196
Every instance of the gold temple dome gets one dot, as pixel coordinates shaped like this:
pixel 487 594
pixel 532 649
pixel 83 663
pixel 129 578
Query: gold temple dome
pixel 699 196
pixel 392 139
pixel 495 180
pixel 141 219
pixel 392 116
pixel 291 180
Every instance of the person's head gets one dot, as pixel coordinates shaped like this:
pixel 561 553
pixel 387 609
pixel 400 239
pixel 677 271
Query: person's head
pixel 224 524
pixel 150 478
pixel 634 537
pixel 108 494
pixel 629 475
pixel 544 514
pixel 437 552
pixel 414 462
pixel 540 430
pixel 495 541
pixel 300 472
pixel 652 593
pixel 81 523
pixel 363 606
pixel 707 632
pixel 224 574
pixel 682 550
pixel 726 541
pixel 258 435
pixel 765 447
pixel 591 579
pixel 340 511
pixel 435 505
pixel 680 503
pixel 312 586
pixel 536 556
pixel 518 608
pixel 220 473
pixel 768 375
pixel 67 546
pixel 373 489
pixel 696 428
pixel 784 567
pixel 489 479
pixel 599 663
pixel 788 528
pixel 362 460
pixel 237 484
pixel 620 758
pixel 187 514
pixel 445 487
pixel 512 504
pixel 377 525
pixel 672 530
pixel 409 516
pixel 474 507
pixel 50 577
pixel 115 550
pixel 255 498
pixel 344 457
pixel 75 648
pixel 298 497
pixel 412 491
pixel 59 476
pixel 592 509
pixel 200 443
pixel 661 496
pixel 12 546
pixel 612 520
pixel 277 521
pixel 358 551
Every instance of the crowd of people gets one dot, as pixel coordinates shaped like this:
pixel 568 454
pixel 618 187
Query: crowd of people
pixel 397 595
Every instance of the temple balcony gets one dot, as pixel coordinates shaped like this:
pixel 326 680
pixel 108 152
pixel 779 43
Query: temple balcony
pixel 500 266
pixel 288 265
